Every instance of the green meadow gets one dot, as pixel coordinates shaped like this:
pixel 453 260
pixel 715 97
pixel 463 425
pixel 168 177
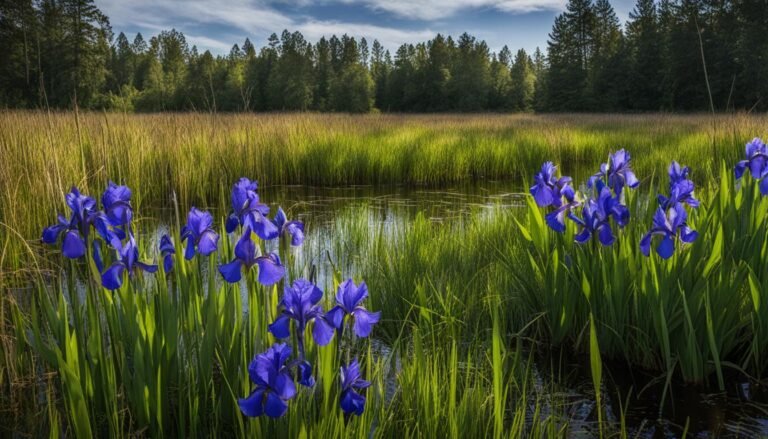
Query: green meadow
pixel 482 311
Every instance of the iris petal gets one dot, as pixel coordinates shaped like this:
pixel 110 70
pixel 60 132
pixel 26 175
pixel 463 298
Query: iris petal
pixel 352 402
pixel 275 407
pixel 364 321
pixel 305 374
pixel 112 279
pixel 605 235
pixel 73 246
pixel 189 253
pixel 666 247
pixel 51 234
pixel 208 242
pixel 253 405
pixel 231 271
pixel 270 270
pixel 335 317
pixel 322 332
pixel 281 328
pixel 284 386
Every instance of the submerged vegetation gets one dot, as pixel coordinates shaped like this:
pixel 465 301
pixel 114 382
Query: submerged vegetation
pixel 116 328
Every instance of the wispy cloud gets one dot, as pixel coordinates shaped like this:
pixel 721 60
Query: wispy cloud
pixel 437 9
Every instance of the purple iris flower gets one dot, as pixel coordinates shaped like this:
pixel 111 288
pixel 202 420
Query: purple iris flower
pixel 349 298
pixel 248 211
pixel 76 229
pixel 671 225
pixel 271 270
pixel 167 250
pixel 548 190
pixel 351 382
pixel 274 385
pixel 300 304
pixel 128 260
pixel 294 229
pixel 117 204
pixel 677 173
pixel 681 192
pixel 556 219
pixel 616 173
pixel 199 233
pixel 596 218
pixel 757 162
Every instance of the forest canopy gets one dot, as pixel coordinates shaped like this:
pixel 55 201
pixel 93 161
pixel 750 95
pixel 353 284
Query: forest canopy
pixel 671 55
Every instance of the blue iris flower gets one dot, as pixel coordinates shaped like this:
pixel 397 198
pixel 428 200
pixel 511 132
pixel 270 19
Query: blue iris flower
pixel 77 228
pixel 677 173
pixel 199 233
pixel 248 211
pixel 548 190
pixel 271 270
pixel 616 174
pixel 756 162
pixel 681 192
pixel 351 383
pixel 349 298
pixel 670 225
pixel 596 216
pixel 167 250
pixel 294 229
pixel 274 385
pixel 117 204
pixel 128 261
pixel 300 304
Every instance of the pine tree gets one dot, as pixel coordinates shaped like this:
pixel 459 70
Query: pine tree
pixel 607 70
pixel 470 76
pixel 86 49
pixel 380 70
pixel 523 82
pixel 644 39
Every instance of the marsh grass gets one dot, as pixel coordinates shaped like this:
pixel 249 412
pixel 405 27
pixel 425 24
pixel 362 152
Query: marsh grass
pixel 463 307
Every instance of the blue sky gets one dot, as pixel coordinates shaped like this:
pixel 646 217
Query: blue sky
pixel 216 25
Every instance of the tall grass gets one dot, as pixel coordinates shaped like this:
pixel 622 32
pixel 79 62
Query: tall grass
pixel 197 156
pixel 168 356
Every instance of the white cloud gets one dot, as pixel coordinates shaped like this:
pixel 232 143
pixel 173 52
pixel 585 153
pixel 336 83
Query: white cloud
pixel 388 37
pixel 438 9
pixel 242 18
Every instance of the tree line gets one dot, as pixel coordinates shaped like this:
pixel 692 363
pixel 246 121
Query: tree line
pixel 671 55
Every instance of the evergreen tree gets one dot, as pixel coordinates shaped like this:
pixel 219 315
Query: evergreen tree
pixel 501 82
pixel 523 82
pixel 607 70
pixel 470 78
pixel 380 69
pixel 644 39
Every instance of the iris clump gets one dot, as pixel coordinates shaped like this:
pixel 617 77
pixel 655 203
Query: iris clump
pixel 299 307
pixel 274 377
pixel 75 230
pixel 670 221
pixel 598 211
pixel 113 227
pixel 756 162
